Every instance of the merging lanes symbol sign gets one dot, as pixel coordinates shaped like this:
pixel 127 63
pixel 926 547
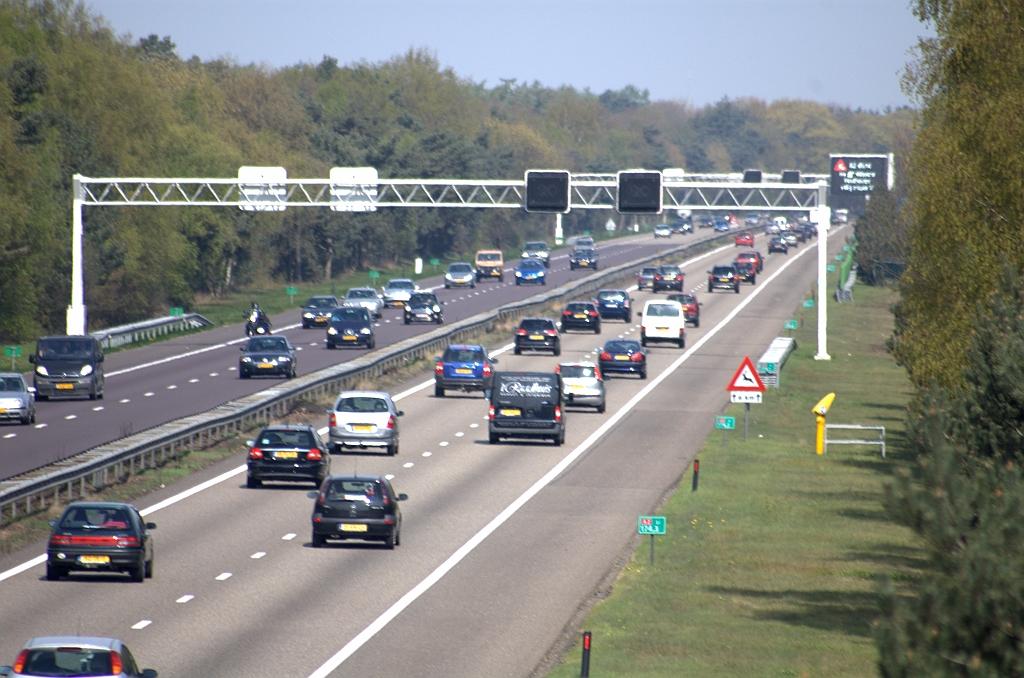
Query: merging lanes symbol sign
pixel 746 378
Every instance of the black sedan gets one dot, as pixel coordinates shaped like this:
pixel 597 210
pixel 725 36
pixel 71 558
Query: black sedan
pixel 100 537
pixel 267 355
pixel 538 334
pixel 623 356
pixel 423 307
pixel 581 315
pixel 357 507
pixel 293 453
pixel 316 312
pixel 725 276
pixel 778 245
pixel 351 326
pixel 583 257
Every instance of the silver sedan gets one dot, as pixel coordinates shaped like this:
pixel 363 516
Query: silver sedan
pixel 366 297
pixel 17 399
pixel 397 292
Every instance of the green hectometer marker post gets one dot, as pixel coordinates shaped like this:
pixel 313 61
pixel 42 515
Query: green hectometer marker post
pixel 651 525
pixel 12 352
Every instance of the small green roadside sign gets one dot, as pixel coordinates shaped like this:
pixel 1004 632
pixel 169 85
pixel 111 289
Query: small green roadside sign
pixel 435 262
pixel 790 325
pixel 831 267
pixel 175 311
pixel 651 524
pixel 839 257
pixel 725 423
pixel 12 352
pixel 808 303
pixel 291 291
pixel 374 274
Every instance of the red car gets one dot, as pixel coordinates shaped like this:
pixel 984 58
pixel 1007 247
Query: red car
pixel 745 239
pixel 691 307
pixel 754 257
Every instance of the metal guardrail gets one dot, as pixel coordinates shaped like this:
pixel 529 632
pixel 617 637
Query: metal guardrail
pixel 114 461
pixel 769 365
pixel 149 329
pixel 880 440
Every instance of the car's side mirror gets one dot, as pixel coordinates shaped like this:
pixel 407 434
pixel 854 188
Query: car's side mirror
pixel 494 361
pixel 400 413
pixel 403 497
pixel 700 303
pixel 437 358
pixel 32 389
pixel 149 673
pixel 312 494
pixel 250 443
pixel 53 523
pixel 150 526
pixel 241 348
pixel 32 359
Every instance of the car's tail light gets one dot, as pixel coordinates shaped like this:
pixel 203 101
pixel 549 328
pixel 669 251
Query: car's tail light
pixel 255 453
pixel 115 663
pixel 681 330
pixel 125 541
pixel 605 355
pixel 487 370
pixel 391 421
pixel 333 420
pixel 558 369
pixel 637 357
pixel 19 663
pixel 558 413
pixel 597 373
pixel 490 412
pixel 657 277
pixel 520 333
pixel 551 333
pixel 567 313
pixel 439 368
pixel 314 454
pixel 60 540
pixel 593 314
pixel 389 521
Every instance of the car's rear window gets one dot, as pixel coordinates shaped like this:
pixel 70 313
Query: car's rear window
pixel 669 269
pixel 531 263
pixel 585 252
pixel 649 271
pixel 361 404
pixel 268 344
pixel 10 384
pixel 354 490
pixel 683 298
pixel 286 439
pixel 721 270
pixel 68 661
pixel 536 324
pixel 65 349
pixel 401 285
pixel 422 299
pixel 576 371
pixel 349 315
pixel 320 302
pixel 611 296
pixel 463 355
pixel 622 346
pixel 535 246
pixel 362 294
pixel 663 311
pixel 95 519
pixel 579 307
pixel 527 386
pixel 489 257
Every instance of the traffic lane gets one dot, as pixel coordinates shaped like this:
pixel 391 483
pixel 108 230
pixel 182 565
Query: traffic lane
pixel 506 603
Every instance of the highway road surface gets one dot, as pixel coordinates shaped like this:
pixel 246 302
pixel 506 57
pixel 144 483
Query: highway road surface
pixel 501 544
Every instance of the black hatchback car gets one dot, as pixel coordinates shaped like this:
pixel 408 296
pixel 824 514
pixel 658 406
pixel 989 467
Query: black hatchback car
pixel 290 453
pixel 668 277
pixel 614 304
pixel 351 326
pixel 357 507
pixel 537 334
pixel 581 315
pixel 747 271
pixel 100 537
pixel 316 312
pixel 724 276
pixel 267 355
pixel 583 257
pixel 623 356
pixel 423 307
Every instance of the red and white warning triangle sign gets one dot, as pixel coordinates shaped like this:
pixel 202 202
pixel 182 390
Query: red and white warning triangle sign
pixel 746 378
pixel 840 166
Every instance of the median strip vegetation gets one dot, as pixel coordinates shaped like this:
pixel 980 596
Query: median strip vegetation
pixel 770 567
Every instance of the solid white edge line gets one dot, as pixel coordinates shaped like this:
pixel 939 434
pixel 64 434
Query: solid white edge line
pixel 406 600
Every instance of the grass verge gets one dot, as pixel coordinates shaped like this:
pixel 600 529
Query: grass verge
pixel 769 568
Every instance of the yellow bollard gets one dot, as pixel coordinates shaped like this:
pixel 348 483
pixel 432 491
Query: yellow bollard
pixel 820 410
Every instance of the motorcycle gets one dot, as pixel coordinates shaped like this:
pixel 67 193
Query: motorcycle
pixel 257 323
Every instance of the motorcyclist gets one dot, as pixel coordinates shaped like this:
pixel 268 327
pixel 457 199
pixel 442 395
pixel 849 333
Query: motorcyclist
pixel 256 318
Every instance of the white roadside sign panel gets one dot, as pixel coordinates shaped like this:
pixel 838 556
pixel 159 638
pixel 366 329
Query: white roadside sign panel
pixel 745 396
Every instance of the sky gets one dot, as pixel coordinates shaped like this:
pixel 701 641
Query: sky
pixel 849 53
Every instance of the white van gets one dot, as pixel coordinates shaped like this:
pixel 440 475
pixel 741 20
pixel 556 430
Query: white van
pixel 663 321
pixel 782 223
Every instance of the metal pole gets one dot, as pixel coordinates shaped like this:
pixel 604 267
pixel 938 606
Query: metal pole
pixel 76 320
pixel 652 549
pixel 746 414
pixel 558 229
pixel 824 217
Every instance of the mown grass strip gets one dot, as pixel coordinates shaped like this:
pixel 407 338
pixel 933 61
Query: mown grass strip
pixel 769 568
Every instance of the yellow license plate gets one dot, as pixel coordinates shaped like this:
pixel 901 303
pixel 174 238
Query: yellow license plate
pixel 264 366
pixel 662 329
pixel 349 337
pixel 362 428
pixel 581 315
pixel 3 410
pixel 65 387
pixel 536 337
pixel 511 413
pixel 321 320
pixel 286 455
pixel 495 273
pixel 94 560
pixel 350 527
pixel 462 370
pixel 575 387
pixel 398 303
pixel 583 263
pixel 622 357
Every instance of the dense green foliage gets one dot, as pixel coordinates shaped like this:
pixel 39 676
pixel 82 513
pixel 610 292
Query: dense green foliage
pixel 967 178
pixel 75 98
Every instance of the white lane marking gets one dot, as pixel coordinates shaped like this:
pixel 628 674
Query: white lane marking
pixel 172 387
pixel 71 416
pixel 443 443
pixel 258 555
pixel 11 435
pixel 41 425
pixel 150 394
pixel 214 374
pixel 444 568
pixel 232 369
pixel 193 381
pixel 298 348
pixel 459 434
pixel 99 408
pixel 142 624
pixel 124 400
pixel 185 598
pixel 474 425
pixel 189 354
pixel 427 454
pixel 390 476
pixel 194 490
pixel 289 536
pixel 222 576
pixel 408 464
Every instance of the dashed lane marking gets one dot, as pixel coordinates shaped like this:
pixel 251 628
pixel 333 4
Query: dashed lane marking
pixel 222 576
pixel 139 625
pixel 185 598
pixel 289 536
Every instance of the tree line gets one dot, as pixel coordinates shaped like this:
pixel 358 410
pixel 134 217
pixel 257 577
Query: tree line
pixel 75 98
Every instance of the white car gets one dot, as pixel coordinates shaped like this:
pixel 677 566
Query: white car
pixel 663 321
pixel 364 420
pixel 366 297
pixel 398 291
pixel 460 274
pixel 662 231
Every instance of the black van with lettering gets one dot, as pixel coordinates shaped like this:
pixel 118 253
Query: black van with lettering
pixel 68 366
pixel 526 405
